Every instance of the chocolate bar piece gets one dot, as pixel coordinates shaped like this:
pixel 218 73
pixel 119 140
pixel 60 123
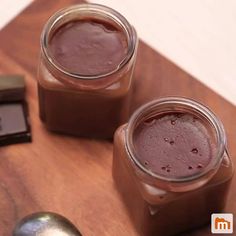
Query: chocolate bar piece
pixel 14 127
pixel 12 88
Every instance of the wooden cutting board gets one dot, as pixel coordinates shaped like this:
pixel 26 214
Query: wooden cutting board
pixel 72 176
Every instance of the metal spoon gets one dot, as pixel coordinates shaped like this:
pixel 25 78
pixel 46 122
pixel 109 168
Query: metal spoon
pixel 45 224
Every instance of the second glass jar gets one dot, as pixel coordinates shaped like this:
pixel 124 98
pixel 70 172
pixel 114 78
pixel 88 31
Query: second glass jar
pixel 89 95
pixel 171 167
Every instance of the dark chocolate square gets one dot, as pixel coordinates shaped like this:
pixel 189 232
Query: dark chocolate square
pixel 14 126
pixel 12 88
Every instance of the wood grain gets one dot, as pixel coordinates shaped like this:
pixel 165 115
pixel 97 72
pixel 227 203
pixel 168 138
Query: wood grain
pixel 72 176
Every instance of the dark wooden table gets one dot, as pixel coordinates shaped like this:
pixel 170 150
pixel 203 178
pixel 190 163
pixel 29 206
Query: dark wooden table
pixel 72 176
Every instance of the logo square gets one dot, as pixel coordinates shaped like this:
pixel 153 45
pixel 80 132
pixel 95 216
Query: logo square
pixel 222 223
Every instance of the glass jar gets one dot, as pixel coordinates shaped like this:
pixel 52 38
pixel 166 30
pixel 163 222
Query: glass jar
pixel 162 205
pixel 79 104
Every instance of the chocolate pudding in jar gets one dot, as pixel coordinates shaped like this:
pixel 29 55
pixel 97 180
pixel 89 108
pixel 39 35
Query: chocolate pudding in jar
pixel 171 166
pixel 88 53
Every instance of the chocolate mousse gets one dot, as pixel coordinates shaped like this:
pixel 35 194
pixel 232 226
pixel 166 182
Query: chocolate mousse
pixel 171 167
pixel 88 54
pixel 173 145
pixel 88 47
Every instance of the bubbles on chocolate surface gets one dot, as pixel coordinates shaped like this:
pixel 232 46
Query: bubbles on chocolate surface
pixel 181 144
pixel 172 142
pixel 166 139
pixel 199 166
pixel 194 150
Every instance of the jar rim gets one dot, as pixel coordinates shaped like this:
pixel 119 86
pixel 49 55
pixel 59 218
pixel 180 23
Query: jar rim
pixel 113 15
pixel 184 102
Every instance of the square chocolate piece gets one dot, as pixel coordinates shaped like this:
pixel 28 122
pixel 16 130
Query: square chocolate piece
pixel 14 127
pixel 12 88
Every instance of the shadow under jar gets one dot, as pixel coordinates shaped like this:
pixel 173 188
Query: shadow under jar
pixel 171 166
pixel 87 59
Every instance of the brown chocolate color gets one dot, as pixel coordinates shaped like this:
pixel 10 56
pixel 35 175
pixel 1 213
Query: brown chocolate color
pixel 165 212
pixel 173 145
pixel 14 127
pixel 12 88
pixel 90 116
pixel 88 47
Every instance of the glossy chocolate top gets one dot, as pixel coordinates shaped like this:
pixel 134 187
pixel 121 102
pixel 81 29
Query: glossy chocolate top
pixel 88 47
pixel 173 145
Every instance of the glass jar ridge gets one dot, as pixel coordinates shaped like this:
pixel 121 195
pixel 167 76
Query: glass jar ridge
pixel 176 104
pixel 84 11
pixel 162 204
pixel 86 105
